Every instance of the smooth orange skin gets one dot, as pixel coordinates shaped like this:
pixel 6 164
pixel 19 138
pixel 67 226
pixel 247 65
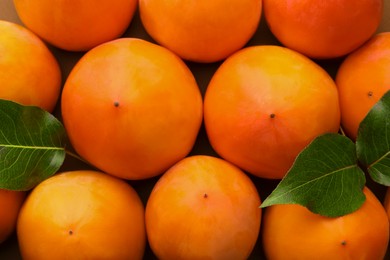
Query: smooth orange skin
pixel 362 79
pixel 10 203
pixel 264 105
pixel 132 108
pixel 201 30
pixel 82 215
pixel 293 232
pixel 323 29
pixel 29 73
pixel 76 25
pixel 203 208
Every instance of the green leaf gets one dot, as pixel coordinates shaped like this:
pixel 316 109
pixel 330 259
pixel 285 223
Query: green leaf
pixel 325 178
pixel 373 141
pixel 32 145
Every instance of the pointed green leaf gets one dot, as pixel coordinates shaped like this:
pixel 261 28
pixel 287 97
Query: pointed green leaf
pixel 373 141
pixel 325 178
pixel 32 145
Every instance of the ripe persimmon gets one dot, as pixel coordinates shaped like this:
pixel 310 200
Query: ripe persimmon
pixel 82 215
pixel 10 203
pixel 203 208
pixel 201 30
pixel 362 79
pixel 264 104
pixel 323 29
pixel 131 108
pixel 29 73
pixel 76 25
pixel 293 232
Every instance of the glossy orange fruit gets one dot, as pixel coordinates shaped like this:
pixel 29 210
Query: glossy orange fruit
pixel 203 208
pixel 131 108
pixel 82 215
pixel 29 73
pixel 293 232
pixel 10 203
pixel 201 30
pixel 362 79
pixel 264 105
pixel 76 25
pixel 323 29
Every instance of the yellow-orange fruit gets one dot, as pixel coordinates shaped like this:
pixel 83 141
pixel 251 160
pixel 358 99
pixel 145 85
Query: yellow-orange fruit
pixel 76 25
pixel 265 104
pixel 203 208
pixel 29 73
pixel 82 214
pixel 131 108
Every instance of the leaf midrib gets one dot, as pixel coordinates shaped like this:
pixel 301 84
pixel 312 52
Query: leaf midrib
pixel 378 160
pixel 316 179
pixel 31 147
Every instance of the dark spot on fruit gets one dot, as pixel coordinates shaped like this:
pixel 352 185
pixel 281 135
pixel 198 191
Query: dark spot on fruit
pixel 370 94
pixel 272 115
pixel 343 243
pixel 205 196
pixel 116 103
pixel 70 232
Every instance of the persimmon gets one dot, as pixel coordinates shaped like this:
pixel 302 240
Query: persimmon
pixel 323 29
pixel 131 108
pixel 10 203
pixel 293 232
pixel 264 104
pixel 201 30
pixel 362 79
pixel 29 72
pixel 82 214
pixel 203 208
pixel 76 25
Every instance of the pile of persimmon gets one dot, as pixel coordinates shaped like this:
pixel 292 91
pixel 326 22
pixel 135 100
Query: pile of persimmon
pixel 133 109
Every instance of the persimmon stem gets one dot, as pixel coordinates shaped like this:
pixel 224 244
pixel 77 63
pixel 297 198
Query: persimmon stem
pixel 342 131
